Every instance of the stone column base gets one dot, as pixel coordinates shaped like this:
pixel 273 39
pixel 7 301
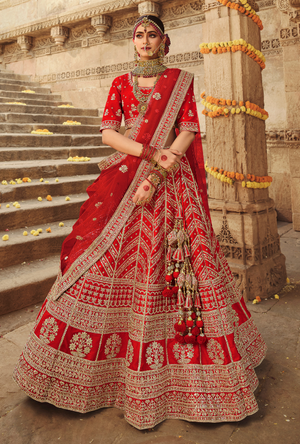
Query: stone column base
pixel 262 280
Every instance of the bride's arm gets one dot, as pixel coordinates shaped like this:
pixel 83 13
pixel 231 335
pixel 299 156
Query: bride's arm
pixel 121 143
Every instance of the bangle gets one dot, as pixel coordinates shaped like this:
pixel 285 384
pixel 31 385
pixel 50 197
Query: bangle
pixel 162 171
pixel 156 178
pixel 147 152
pixel 151 184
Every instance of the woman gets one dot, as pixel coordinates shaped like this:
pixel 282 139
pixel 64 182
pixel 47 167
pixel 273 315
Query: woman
pixel 145 314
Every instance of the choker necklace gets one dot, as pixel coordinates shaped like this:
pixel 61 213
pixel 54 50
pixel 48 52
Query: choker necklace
pixel 148 68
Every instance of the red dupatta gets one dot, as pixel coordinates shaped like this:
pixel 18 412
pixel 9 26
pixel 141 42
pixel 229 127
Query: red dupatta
pixel 110 204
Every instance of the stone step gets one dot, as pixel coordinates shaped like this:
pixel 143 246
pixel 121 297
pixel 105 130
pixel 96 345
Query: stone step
pixel 34 213
pixel 55 140
pixel 28 284
pixel 9 75
pixel 19 88
pixel 66 186
pixel 41 109
pixel 26 82
pixel 46 168
pixel 18 96
pixel 20 248
pixel 48 119
pixel 55 129
pixel 30 153
pixel 31 100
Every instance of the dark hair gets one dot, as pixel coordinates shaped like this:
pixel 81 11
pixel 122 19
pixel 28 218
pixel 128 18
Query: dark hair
pixel 153 19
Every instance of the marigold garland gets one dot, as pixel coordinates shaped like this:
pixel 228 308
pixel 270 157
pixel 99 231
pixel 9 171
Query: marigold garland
pixel 219 107
pixel 233 46
pixel 231 177
pixel 245 9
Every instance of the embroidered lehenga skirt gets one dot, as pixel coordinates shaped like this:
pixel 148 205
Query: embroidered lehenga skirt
pixel 108 341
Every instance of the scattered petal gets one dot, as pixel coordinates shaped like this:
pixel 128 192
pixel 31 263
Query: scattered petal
pixel 25 233
pixel 42 180
pixel 56 180
pixel 276 296
pixel 39 230
pixel 288 281
pixel 40 199
pixel 7 206
pixel 61 224
pixel 5 237
pixel 67 198
pixel 49 197
pixel 48 230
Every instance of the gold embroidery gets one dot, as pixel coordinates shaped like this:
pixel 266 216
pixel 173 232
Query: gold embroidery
pixel 112 346
pixel 48 330
pixel 183 352
pixel 155 355
pixel 80 344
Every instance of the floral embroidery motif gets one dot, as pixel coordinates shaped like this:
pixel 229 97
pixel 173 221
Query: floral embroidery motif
pixel 215 351
pixel 190 113
pixel 183 352
pixel 130 353
pixel 157 96
pixel 49 330
pixel 113 346
pixel 118 112
pixel 98 204
pixel 80 344
pixel 123 168
pixel 79 237
pixel 155 355
pixel 113 97
pixel 106 112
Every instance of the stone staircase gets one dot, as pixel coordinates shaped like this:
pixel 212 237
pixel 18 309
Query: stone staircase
pixel 29 264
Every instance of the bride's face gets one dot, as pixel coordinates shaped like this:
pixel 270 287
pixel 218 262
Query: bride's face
pixel 147 41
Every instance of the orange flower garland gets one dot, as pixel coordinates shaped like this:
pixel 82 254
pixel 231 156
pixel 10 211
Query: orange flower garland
pixel 219 107
pixel 233 46
pixel 245 9
pixel 231 177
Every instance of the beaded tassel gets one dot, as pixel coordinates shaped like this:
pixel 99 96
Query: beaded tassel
pixel 181 281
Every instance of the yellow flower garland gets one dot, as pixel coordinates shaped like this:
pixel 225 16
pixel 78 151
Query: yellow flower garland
pixel 219 107
pixel 231 177
pixel 245 9
pixel 233 46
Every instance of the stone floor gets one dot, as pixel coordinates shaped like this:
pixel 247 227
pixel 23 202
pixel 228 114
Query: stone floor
pixel 24 421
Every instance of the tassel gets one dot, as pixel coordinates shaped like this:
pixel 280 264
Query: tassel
pixel 179 213
pixel 186 251
pixel 188 302
pixel 167 292
pixel 181 279
pixel 201 339
pixel 195 331
pixel 190 322
pixel 197 302
pixel 180 326
pixel 180 300
pixel 175 289
pixel 180 237
pixel 188 280
pixel 178 255
pixel 194 283
pixel 169 254
pixel 199 323
pixel 172 237
pixel 169 278
pixel 190 339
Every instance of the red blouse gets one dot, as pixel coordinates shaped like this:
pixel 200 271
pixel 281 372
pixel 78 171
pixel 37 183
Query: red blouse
pixel 121 100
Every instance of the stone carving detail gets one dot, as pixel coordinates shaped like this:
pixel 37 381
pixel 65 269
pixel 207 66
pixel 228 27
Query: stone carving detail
pixel 266 4
pixel 1 49
pixel 101 23
pixel 59 34
pixel 225 235
pixel 25 42
pixel 182 10
pixel 295 16
pixel 275 275
pixel 292 136
pixel 272 136
pixel 283 5
pixel 267 45
pixel 149 8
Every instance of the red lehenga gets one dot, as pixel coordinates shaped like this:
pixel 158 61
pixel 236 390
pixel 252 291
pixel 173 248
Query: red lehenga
pixel 105 334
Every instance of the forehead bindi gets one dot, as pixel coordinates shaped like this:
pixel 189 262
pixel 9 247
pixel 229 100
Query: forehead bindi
pixel 141 29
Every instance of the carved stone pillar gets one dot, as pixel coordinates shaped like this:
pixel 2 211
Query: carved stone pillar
pixel 289 39
pixel 25 42
pixel 244 219
pixel 59 34
pixel 150 8
pixel 1 52
pixel 101 23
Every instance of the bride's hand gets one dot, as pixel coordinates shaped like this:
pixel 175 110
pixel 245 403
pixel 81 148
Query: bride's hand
pixel 167 158
pixel 144 193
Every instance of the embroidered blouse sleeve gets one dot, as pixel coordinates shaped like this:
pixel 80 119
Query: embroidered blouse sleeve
pixel 187 119
pixel 112 115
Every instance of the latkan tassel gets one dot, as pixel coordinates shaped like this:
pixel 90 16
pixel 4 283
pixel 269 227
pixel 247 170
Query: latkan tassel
pixel 190 338
pixel 201 339
pixel 178 255
pixel 179 213
pixel 172 237
pixel 186 251
pixel 179 338
pixel 180 299
pixel 180 326
pixel 188 302
pixel 169 254
pixel 197 302
pixel 167 292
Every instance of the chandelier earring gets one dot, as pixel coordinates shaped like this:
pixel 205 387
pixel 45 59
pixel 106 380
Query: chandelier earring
pixel 161 52
pixel 136 54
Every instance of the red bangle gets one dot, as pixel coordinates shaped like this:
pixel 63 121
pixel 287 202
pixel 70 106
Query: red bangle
pixel 151 184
